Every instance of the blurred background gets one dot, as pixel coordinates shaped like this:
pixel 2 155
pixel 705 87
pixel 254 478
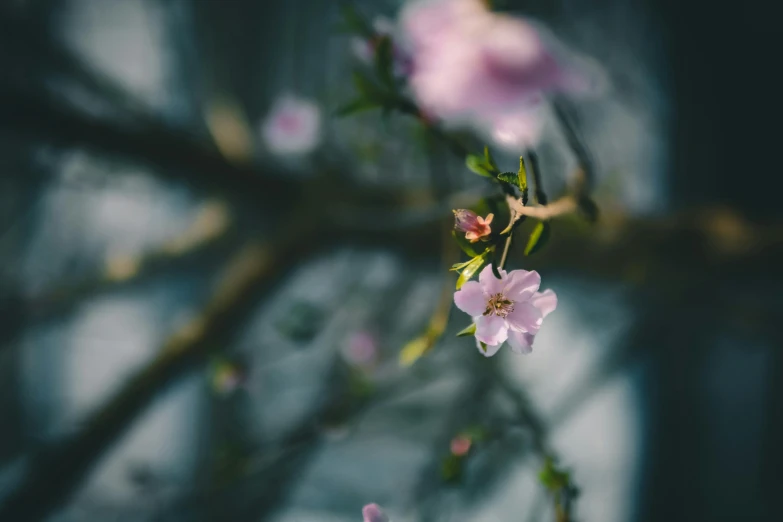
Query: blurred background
pixel 200 322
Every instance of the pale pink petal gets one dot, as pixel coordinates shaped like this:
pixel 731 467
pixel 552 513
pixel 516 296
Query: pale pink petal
pixel 491 349
pixel 471 299
pixel 491 329
pixel 522 284
pixel 373 513
pixel 491 284
pixel 517 129
pixel 520 342
pixel 545 301
pixel 525 317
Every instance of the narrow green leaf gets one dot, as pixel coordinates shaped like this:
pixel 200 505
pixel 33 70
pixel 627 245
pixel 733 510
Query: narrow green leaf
pixel 522 179
pixel 495 270
pixel 489 159
pixel 451 468
pixel 353 21
pixel 588 208
pixel 474 266
pixel 470 330
pixel 509 177
pixel 456 267
pixel 538 238
pixel 478 165
pixel 367 88
pixel 483 346
pixel 384 61
pixel 464 244
pixel 354 107
pixel 552 477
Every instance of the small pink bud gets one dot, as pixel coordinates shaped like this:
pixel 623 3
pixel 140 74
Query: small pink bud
pixel 460 445
pixel 474 226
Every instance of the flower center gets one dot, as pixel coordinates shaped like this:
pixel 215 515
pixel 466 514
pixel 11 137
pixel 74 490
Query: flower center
pixel 499 305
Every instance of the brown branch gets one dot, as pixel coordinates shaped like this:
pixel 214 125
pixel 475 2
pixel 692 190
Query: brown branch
pixel 53 475
pixel 172 154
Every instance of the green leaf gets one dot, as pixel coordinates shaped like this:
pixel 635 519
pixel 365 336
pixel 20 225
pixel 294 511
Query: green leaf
pixel 384 61
pixel 367 89
pixel 466 332
pixel 478 165
pixel 476 432
pixel 588 208
pixel 464 244
pixel 522 179
pixel 451 468
pixel 354 22
pixel 495 270
pixel 538 238
pixel 509 177
pixel 415 349
pixel 457 267
pixel 474 266
pixel 483 346
pixel 355 106
pixel 552 477
pixel 489 159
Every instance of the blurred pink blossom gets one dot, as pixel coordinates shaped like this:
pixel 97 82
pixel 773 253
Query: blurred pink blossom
pixel 474 226
pixel 460 445
pixel 485 69
pixel 373 513
pixel 292 127
pixel 507 309
pixel 361 349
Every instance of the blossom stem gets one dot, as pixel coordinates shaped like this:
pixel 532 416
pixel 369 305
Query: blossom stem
pixel 505 250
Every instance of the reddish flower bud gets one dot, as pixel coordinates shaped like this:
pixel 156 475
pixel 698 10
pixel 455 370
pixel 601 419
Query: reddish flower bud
pixel 474 226
pixel 460 445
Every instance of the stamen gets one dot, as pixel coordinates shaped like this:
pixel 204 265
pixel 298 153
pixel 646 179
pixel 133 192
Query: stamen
pixel 499 305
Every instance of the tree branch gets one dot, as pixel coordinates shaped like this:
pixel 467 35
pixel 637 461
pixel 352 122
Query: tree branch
pixel 54 474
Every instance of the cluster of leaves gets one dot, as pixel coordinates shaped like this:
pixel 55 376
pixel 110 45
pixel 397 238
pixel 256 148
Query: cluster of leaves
pixel 513 184
pixel 381 90
pixel 560 486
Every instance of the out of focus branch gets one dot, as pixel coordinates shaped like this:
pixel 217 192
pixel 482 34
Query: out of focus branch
pixel 209 231
pixel 175 155
pixel 54 474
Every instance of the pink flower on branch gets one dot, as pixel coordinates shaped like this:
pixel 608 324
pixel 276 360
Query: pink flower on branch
pixel 292 127
pixel 373 513
pixel 460 445
pixel 488 70
pixel 474 226
pixel 507 309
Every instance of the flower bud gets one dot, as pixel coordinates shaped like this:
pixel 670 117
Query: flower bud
pixel 474 226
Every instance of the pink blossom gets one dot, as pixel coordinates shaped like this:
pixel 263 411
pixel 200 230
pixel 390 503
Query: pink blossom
pixel 460 445
pixel 293 126
pixel 361 349
pixel 507 309
pixel 373 513
pixel 474 226
pixel 485 69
